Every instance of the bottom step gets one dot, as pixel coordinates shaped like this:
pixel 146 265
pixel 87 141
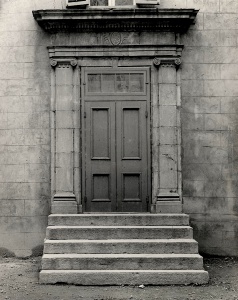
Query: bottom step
pixel 124 277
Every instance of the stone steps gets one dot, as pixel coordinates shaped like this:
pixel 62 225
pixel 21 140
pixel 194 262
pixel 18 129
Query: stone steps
pixel 115 249
pixel 118 232
pixel 122 262
pixel 119 220
pixel 150 246
pixel 124 277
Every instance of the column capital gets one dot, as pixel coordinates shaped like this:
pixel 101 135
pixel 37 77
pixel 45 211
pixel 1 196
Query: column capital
pixel 63 63
pixel 167 62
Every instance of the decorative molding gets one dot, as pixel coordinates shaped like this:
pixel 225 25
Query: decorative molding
pixel 63 65
pixel 115 19
pixel 165 53
pixel 64 197
pixel 168 197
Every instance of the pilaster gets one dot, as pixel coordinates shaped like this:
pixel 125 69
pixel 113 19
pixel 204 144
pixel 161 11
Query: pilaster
pixel 169 198
pixel 63 127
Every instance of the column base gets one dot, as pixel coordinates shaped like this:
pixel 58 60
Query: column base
pixel 64 203
pixel 168 203
pixel 168 207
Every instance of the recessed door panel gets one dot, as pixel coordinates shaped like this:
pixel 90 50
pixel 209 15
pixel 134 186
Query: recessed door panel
pixel 100 129
pixel 132 162
pixel 131 133
pixel 99 157
pixel 115 140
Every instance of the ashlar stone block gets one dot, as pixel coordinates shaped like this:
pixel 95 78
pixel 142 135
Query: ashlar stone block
pixel 64 140
pixel 9 208
pixel 228 6
pixel 167 75
pixel 64 75
pixel 204 5
pixel 64 179
pixel 220 21
pixel 37 173
pixel 64 96
pixel 64 119
pixel 167 94
pixel 168 116
pixel 201 71
pixel 168 136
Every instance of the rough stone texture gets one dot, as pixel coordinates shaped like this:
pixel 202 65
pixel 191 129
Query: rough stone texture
pixel 209 121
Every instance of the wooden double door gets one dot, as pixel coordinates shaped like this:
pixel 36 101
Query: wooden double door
pixel 116 140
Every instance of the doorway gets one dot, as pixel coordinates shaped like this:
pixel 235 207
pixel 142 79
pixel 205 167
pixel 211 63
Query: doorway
pixel 116 139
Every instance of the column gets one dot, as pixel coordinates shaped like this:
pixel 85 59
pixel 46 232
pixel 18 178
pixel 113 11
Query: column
pixel 169 198
pixel 63 130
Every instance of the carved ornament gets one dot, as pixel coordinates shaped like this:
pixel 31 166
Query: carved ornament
pixel 53 63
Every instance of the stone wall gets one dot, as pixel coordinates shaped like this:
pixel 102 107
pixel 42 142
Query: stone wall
pixel 209 124
pixel 209 121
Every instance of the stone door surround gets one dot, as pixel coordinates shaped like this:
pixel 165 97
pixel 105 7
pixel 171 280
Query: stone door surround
pixel 67 64
pixel 115 50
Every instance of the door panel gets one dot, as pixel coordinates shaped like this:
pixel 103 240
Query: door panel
pixel 100 133
pixel 130 133
pixel 100 156
pixel 132 164
pixel 115 140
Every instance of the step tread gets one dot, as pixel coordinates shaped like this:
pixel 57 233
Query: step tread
pixel 118 255
pixel 48 241
pixel 118 214
pixel 124 277
pixel 124 271
pixel 118 227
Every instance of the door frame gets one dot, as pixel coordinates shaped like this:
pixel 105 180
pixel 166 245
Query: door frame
pixel 147 95
pixel 67 62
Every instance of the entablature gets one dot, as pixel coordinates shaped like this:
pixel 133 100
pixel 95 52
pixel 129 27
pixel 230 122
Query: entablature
pixel 115 19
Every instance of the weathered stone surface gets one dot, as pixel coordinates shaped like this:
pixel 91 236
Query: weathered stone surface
pixel 204 5
pixel 209 118
pixel 124 278
pixel 169 246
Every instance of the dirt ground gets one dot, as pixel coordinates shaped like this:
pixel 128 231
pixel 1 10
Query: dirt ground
pixel 19 281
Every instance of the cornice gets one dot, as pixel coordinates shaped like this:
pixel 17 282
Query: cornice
pixel 115 19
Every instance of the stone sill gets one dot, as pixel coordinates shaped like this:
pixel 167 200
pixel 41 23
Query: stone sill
pixel 115 19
